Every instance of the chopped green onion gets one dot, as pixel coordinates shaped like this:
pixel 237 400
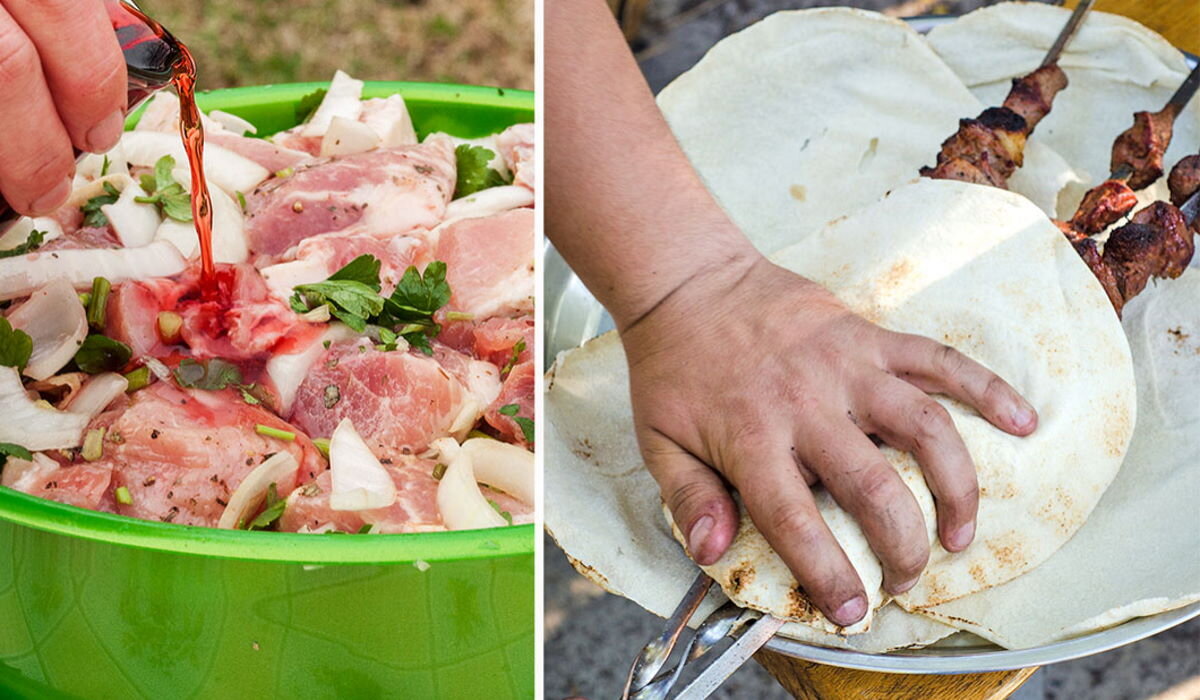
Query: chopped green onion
pixel 459 316
pixel 169 326
pixel 503 513
pixel 93 445
pixel 365 529
pixel 241 200
pixel 138 379
pixel 274 432
pixel 439 470
pixel 286 172
pixel 105 166
pixel 98 303
pixel 479 434
pixel 124 497
pixel 322 445
pixel 85 298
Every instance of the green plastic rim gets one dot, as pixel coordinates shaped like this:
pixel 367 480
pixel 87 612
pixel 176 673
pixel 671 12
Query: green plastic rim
pixel 461 110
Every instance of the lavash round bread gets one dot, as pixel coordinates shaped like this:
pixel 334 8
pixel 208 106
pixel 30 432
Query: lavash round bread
pixel 1115 66
pixel 809 115
pixel 976 267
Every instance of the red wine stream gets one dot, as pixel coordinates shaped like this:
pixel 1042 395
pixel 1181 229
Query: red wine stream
pixel 192 132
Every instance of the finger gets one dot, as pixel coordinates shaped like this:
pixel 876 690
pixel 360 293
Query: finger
pixel 908 419
pixel 695 495
pixel 941 369
pixel 863 482
pixel 83 65
pixel 782 507
pixel 36 161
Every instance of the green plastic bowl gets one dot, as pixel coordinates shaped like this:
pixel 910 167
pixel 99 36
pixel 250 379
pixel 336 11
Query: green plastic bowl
pixel 94 605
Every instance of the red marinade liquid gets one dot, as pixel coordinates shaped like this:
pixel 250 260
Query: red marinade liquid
pixel 192 132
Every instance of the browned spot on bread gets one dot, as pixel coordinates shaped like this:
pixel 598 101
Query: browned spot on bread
pixel 978 573
pixel 799 607
pixel 1120 426
pixel 1007 550
pixel 740 577
pixel 895 276
pixel 798 192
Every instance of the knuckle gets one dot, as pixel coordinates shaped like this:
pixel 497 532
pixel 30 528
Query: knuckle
pixel 689 496
pixel 18 56
pixel 876 486
pixel 96 90
pixel 996 390
pixel 910 560
pixel 797 526
pixel 948 361
pixel 931 421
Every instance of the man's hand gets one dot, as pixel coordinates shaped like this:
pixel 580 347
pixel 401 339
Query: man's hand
pixel 62 83
pixel 754 374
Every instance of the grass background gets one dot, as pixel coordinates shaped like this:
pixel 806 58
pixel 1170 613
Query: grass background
pixel 256 42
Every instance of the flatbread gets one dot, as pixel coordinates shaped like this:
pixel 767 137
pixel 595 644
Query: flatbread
pixel 1139 548
pixel 977 267
pixel 1116 66
pixel 809 115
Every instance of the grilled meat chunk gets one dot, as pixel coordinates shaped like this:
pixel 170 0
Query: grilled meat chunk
pixel 1141 147
pixel 1032 96
pixel 1103 206
pixel 1157 243
pixel 985 151
pixel 1184 180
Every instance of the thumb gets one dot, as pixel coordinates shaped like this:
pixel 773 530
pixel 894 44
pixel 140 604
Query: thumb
pixel 696 496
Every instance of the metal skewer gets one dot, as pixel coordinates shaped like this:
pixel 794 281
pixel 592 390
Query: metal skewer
pixel 657 651
pixel 1183 94
pixel 1068 32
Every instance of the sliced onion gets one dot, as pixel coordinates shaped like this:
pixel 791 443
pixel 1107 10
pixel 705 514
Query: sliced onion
pixel 34 426
pixel 24 475
pixel 57 323
pixel 249 496
pixel 232 122
pixel 92 164
pixel 388 117
pixel 80 195
pixel 21 275
pixel 282 278
pixel 161 114
pixel 223 168
pixel 469 412
pixel 157 368
pixel 345 137
pixel 359 481
pixel 69 384
pixel 96 395
pixel 228 232
pixel 493 200
pixel 498 464
pixel 134 222
pixel 287 372
pixel 19 232
pixel 342 99
pixel 489 142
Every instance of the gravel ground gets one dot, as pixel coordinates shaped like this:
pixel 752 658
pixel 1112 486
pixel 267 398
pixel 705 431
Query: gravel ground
pixel 591 637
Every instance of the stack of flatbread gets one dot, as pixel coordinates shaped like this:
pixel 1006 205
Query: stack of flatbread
pixel 809 128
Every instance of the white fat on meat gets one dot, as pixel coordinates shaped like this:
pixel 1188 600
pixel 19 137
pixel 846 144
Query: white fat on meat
pixel 287 372
pixel 493 200
pixel 489 264
pixel 515 145
pixel 319 257
pixel 389 118
pixel 398 401
pixel 388 191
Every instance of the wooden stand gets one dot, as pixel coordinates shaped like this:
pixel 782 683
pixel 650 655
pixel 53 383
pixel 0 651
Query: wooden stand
pixel 810 681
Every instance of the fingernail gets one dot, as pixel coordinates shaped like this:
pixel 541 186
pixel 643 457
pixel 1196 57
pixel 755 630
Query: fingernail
pixel 960 538
pixel 1023 416
pixel 851 611
pixel 699 533
pixel 906 586
pixel 52 199
pixel 105 135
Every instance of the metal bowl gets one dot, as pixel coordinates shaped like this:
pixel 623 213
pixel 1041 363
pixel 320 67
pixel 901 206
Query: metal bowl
pixel 573 316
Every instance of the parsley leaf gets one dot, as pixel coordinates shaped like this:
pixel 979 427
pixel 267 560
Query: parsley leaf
pixel 512 360
pixel 418 295
pixel 308 104
pixel 274 510
pixel 351 293
pixel 7 449
pixel 473 171
pixel 16 346
pixel 525 424
pixel 99 353
pixel 169 196
pixel 92 216
pixel 32 243
pixel 503 513
pixel 214 375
